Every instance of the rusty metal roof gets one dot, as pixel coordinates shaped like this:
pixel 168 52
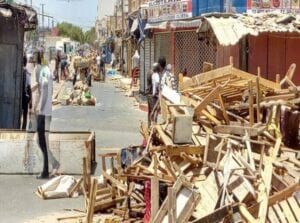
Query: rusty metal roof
pixel 26 15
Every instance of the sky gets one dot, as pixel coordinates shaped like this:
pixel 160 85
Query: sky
pixel 80 12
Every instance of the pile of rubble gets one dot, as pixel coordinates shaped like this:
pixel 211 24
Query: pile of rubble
pixel 226 153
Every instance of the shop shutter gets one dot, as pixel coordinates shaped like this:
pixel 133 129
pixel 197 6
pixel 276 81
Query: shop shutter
pixel 142 68
pixel 163 46
pixel 147 58
pixel 190 53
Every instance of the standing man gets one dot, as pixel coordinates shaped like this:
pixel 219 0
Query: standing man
pixel 57 65
pixel 153 80
pixel 102 67
pixel 44 117
pixel 26 93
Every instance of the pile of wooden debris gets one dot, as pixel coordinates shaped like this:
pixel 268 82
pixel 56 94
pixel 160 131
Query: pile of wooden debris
pixel 223 155
pixel 79 95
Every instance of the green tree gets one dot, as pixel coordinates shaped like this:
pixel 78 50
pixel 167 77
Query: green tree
pixel 90 36
pixel 72 31
pixel 75 33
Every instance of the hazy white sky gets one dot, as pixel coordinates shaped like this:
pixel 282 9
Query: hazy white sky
pixel 80 12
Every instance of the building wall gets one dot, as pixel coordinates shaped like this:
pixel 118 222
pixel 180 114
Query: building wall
pixel 206 6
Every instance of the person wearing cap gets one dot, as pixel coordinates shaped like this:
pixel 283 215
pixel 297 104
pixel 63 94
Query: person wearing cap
pixel 44 113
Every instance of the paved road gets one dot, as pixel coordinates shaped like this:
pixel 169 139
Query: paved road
pixel 115 120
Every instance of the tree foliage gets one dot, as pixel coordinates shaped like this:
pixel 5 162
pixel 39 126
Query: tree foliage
pixel 90 36
pixel 71 31
pixel 76 33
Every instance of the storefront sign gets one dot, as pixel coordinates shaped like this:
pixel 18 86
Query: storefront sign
pixel 283 6
pixel 164 10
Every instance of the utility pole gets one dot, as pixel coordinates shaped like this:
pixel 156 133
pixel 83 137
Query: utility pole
pixel 122 36
pixel 116 22
pixel 43 23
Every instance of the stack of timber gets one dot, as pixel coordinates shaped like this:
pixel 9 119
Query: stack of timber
pixel 232 159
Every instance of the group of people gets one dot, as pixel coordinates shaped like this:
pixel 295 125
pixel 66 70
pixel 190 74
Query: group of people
pixel 41 109
pixel 159 77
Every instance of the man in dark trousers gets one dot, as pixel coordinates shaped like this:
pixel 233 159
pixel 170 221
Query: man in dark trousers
pixel 44 117
pixel 57 66
pixel 26 93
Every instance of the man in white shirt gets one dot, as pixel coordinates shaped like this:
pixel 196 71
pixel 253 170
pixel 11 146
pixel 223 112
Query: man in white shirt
pixel 44 117
pixel 153 80
pixel 98 58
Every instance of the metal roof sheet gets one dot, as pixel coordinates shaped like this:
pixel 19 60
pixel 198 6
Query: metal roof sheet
pixel 230 29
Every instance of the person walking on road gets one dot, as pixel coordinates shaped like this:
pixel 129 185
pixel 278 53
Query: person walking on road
pixel 57 66
pixel 44 110
pixel 26 93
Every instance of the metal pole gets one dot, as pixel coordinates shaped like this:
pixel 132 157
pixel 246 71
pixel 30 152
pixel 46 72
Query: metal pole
pixel 122 36
pixel 43 23
pixel 116 22
pixel 31 3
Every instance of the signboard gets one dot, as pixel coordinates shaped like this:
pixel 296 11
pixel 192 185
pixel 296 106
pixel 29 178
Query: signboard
pixel 162 10
pixel 283 6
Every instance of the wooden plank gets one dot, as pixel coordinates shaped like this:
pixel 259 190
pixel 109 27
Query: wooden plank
pixel 287 212
pixel 172 215
pixel 295 208
pixel 154 197
pixel 216 216
pixel 272 216
pixel 104 168
pixel 279 213
pixel 114 181
pixel 86 175
pixel 266 83
pixel 165 139
pixel 251 101
pixel 76 187
pixel 205 77
pixel 185 214
pixel 282 195
pixel 223 107
pixel 206 149
pixel 265 186
pixel 238 130
pixel 211 96
pixel 108 203
pixel 91 202
pixel 258 99
pixel 189 150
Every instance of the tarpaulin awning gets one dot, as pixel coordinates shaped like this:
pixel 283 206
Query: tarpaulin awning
pixel 229 29
pixel 135 25
pixel 176 24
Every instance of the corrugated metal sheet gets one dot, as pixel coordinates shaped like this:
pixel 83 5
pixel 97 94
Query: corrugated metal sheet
pixel 14 20
pixel 230 29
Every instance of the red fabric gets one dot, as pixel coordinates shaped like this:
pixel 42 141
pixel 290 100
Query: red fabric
pixel 147 197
